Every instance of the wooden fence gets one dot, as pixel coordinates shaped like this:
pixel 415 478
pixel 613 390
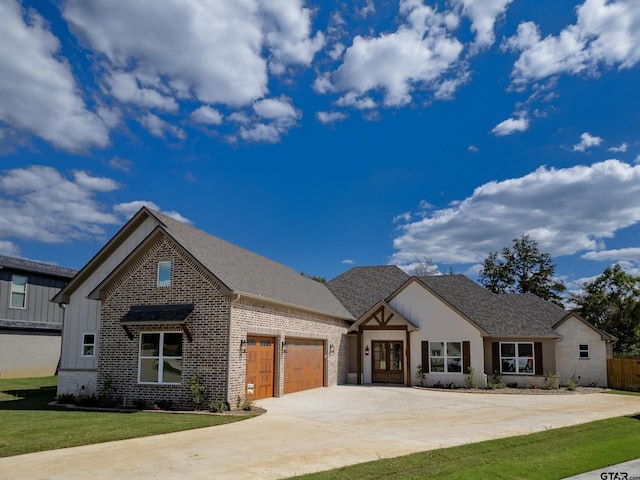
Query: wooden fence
pixel 624 373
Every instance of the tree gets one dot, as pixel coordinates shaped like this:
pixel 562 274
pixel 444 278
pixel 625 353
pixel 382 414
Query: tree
pixel 317 278
pixel 424 267
pixel 612 302
pixel 522 269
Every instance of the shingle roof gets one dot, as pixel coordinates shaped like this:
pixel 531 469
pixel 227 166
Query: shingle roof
pixel 246 272
pixel 362 287
pixel 487 310
pixel 547 313
pixel 29 266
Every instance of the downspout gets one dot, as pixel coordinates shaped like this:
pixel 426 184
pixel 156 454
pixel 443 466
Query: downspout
pixel 233 298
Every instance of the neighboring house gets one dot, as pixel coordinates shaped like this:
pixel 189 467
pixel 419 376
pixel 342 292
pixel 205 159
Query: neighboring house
pixel 166 302
pixel 163 303
pixel 30 325
pixel 449 323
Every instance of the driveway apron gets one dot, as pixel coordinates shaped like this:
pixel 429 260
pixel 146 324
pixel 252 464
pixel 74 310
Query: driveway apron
pixel 321 429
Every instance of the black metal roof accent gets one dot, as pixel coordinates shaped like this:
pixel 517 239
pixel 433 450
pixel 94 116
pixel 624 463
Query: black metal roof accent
pixel 151 314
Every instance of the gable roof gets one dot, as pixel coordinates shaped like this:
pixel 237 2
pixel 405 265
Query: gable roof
pixel 29 266
pixel 486 309
pixel 239 270
pixel 359 288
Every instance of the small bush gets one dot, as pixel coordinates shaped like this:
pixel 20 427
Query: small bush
pixel 139 403
pixel 420 373
pixel 197 392
pixel 218 406
pixel 163 405
pixel 66 399
pixel 495 383
pixel 87 400
pixel 247 405
pixel 551 381
pixel 572 383
pixel 469 378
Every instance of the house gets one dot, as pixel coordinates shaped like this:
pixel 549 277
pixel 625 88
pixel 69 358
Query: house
pixel 166 303
pixel 30 325
pixel 449 323
pixel 163 304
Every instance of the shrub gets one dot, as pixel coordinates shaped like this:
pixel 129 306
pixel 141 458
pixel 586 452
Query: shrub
pixel 218 406
pixel 66 399
pixel 551 381
pixel 572 383
pixel 420 374
pixel 197 392
pixel 247 405
pixel 163 404
pixel 495 383
pixel 469 378
pixel 139 403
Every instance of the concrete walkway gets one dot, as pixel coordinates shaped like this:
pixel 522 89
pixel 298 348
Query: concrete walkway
pixel 321 429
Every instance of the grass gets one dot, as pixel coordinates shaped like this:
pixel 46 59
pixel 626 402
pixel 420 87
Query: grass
pixel 623 392
pixel 552 454
pixel 29 424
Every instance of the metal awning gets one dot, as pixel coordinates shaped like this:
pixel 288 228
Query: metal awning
pixel 153 314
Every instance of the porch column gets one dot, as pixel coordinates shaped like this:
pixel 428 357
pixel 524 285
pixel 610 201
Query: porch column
pixel 359 382
pixel 408 358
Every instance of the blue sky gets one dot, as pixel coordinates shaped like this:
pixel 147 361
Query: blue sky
pixel 326 135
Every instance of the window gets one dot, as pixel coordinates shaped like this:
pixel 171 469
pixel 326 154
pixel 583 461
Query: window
pixel 18 291
pixel 160 358
pixel 445 357
pixel 516 358
pixel 583 351
pixel 164 274
pixel 88 344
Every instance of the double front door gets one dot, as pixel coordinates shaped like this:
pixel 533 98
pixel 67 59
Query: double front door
pixel 388 365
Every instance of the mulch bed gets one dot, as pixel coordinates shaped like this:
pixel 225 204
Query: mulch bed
pixel 519 391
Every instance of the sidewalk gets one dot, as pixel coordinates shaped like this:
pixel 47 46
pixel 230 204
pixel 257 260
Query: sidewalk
pixel 622 471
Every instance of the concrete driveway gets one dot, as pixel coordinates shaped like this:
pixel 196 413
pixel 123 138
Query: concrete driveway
pixel 322 429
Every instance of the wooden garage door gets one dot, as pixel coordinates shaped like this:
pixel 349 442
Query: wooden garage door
pixel 260 367
pixel 303 364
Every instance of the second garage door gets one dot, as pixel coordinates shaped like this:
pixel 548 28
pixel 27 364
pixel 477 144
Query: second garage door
pixel 303 364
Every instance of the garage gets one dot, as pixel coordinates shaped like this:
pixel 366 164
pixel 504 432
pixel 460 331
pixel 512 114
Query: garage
pixel 260 367
pixel 303 364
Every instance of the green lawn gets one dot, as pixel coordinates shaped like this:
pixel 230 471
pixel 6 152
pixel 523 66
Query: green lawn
pixel 552 454
pixel 28 424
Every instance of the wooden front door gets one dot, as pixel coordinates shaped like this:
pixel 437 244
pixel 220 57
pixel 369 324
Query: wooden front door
pixel 303 364
pixel 260 367
pixel 387 362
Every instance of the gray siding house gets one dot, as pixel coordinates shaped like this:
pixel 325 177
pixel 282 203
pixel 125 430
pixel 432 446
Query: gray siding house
pixel 30 324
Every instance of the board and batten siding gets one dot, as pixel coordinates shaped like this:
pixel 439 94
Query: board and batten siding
pixel 82 315
pixel 438 323
pixel 40 290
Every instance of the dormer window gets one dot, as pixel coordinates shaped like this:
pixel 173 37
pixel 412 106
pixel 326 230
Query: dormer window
pixel 164 274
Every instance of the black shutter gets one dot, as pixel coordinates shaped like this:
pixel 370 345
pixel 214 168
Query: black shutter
pixel 495 356
pixel 466 356
pixel 537 352
pixel 425 357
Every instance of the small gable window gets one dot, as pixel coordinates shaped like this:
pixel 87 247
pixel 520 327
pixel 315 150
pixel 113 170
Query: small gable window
pixel 583 351
pixel 88 344
pixel 164 274
pixel 18 291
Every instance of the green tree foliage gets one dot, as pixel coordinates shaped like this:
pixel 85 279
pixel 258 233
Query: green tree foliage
pixel 523 268
pixel 612 302
pixel 317 278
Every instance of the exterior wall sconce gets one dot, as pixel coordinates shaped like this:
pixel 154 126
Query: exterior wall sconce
pixel 366 350
pixel 243 346
pixel 332 349
pixel 284 347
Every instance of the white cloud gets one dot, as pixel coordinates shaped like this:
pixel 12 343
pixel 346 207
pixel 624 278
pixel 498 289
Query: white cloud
pixel 473 148
pixel 511 126
pixel 621 149
pixel 261 132
pixel 206 114
pixel 483 15
pixel 405 217
pixel 360 102
pixel 587 141
pixel 330 117
pixel 276 109
pixel 39 203
pixel 129 209
pixel 158 127
pixel 564 210
pixel 348 262
pixel 606 34
pixel 416 56
pixel 124 86
pixel 631 253
pixel 38 93
pixel 122 164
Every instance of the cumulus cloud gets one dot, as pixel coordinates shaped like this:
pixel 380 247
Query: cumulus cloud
pixel 587 141
pixel 129 209
pixel 126 87
pixel 348 261
pixel 330 117
pixel 483 16
pixel 606 34
pixel 39 203
pixel 159 128
pixel 511 126
pixel 564 210
pixel 38 92
pixel 620 149
pixel 632 253
pixel 415 56
pixel 206 114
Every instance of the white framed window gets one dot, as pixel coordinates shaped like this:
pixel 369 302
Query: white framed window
pixel 445 357
pixel 164 274
pixel 583 350
pixel 517 358
pixel 88 344
pixel 18 291
pixel 160 358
